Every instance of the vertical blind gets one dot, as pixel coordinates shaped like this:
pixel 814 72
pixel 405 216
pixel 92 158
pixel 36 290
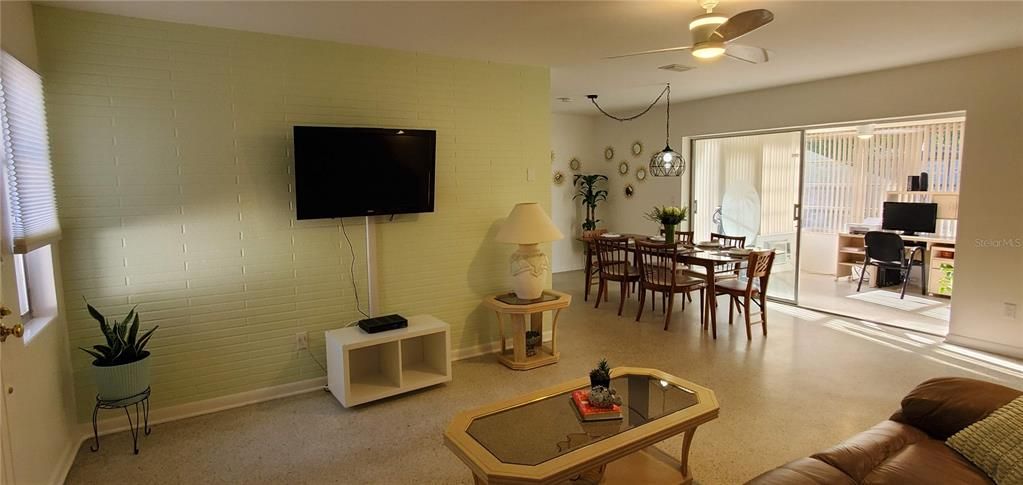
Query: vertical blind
pixel 27 175
pixel 848 179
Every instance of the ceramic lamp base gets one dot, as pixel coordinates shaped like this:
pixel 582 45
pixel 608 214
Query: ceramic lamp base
pixel 529 266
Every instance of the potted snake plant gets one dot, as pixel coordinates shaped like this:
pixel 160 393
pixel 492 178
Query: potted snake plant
pixel 121 364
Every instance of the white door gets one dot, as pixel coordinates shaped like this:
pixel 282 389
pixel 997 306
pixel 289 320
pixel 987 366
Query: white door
pixel 10 316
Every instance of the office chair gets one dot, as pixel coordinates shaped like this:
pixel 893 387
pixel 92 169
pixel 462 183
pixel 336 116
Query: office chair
pixel 887 250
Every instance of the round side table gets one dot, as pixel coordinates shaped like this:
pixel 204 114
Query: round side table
pixel 140 400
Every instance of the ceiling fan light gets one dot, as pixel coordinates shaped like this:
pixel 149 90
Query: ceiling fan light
pixel 709 50
pixel 706 19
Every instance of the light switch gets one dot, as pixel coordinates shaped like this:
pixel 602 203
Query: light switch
pixel 530 174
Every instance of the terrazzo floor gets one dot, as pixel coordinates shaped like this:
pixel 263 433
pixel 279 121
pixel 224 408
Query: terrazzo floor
pixel 815 380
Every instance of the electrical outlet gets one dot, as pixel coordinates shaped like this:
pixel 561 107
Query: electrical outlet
pixel 1009 310
pixel 301 340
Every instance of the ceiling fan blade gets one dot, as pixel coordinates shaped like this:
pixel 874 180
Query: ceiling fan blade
pixel 655 51
pixel 743 23
pixel 745 53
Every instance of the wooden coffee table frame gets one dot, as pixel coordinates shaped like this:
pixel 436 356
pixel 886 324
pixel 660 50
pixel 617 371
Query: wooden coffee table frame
pixel 592 459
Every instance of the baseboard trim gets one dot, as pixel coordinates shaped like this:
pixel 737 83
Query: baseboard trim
pixel 985 345
pixel 198 408
pixel 487 348
pixel 65 462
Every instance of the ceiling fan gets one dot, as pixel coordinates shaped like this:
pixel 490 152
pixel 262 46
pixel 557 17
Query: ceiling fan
pixel 713 35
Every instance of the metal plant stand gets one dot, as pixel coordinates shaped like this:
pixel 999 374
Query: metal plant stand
pixel 140 400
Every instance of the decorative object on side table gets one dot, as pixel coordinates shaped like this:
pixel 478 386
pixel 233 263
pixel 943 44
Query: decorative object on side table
pixel 669 217
pixel 590 194
pixel 528 225
pixel 601 375
pixel 121 371
pixel 533 340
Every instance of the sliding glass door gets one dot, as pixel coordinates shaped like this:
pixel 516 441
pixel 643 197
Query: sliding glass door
pixel 750 186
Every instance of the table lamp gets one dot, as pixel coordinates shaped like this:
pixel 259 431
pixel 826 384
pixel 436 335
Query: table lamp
pixel 528 226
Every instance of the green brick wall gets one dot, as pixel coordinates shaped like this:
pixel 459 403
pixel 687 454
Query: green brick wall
pixel 172 156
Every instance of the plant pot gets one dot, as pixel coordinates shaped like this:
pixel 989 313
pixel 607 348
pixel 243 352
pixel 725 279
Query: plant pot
pixel 669 233
pixel 121 381
pixel 606 383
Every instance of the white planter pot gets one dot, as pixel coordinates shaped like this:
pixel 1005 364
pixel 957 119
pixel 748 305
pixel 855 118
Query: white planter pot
pixel 121 381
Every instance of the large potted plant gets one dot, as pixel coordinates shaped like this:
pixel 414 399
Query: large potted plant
pixel 669 217
pixel 121 366
pixel 590 195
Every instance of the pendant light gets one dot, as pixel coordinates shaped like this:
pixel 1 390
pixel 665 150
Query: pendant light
pixel 667 162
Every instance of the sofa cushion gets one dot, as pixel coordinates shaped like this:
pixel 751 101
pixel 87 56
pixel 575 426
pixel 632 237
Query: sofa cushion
pixel 926 462
pixel 804 471
pixel 860 454
pixel 943 406
pixel 995 443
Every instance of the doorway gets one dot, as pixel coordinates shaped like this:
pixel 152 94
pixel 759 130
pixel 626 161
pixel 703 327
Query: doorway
pixel 748 186
pixel 850 173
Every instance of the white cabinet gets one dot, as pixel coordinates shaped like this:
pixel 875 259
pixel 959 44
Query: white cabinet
pixel 363 367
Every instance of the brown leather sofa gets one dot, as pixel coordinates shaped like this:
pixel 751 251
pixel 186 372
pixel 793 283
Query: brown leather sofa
pixel 908 448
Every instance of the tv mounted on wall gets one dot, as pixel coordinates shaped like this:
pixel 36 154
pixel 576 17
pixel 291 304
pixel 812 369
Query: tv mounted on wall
pixel 348 172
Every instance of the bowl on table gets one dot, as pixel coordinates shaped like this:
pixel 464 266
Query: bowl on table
pixel 709 244
pixel 739 251
pixel 656 238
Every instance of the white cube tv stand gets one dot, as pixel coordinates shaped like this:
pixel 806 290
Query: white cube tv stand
pixel 363 367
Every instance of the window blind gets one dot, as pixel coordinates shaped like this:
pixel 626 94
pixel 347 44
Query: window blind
pixel 27 174
pixel 847 179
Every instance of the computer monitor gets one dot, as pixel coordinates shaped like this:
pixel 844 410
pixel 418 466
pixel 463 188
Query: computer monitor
pixel 910 217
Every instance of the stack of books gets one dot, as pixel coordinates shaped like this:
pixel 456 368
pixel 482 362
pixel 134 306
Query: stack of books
pixel 588 412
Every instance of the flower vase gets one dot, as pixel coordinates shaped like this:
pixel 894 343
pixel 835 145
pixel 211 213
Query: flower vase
pixel 669 234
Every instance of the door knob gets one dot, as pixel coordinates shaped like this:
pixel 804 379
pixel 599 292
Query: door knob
pixel 17 330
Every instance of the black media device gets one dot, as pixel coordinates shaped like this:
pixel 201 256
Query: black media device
pixel 909 217
pixel 382 324
pixel 349 172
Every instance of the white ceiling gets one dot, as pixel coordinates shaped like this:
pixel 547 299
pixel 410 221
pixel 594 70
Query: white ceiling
pixel 808 39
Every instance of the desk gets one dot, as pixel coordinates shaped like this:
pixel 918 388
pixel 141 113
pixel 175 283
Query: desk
pixel 938 251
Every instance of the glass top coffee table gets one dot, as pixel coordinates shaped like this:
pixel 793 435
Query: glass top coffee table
pixel 539 438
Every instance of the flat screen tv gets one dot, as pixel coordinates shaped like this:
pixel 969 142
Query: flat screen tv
pixel 910 217
pixel 346 172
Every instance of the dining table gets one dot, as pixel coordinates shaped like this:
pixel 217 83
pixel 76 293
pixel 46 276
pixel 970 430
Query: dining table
pixel 713 262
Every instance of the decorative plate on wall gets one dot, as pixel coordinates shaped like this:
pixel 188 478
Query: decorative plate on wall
pixel 558 178
pixel 609 153
pixel 623 168
pixel 637 148
pixel 575 164
pixel 629 191
pixel 641 174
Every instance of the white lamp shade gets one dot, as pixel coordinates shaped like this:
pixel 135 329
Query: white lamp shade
pixel 528 224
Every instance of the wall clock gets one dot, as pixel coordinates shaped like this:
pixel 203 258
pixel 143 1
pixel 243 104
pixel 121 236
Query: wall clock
pixel 637 148
pixel 641 174
pixel 575 164
pixel 623 168
pixel 609 153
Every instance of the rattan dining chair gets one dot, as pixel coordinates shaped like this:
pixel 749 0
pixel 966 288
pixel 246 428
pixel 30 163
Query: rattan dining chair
pixel 659 272
pixel 751 288
pixel 613 259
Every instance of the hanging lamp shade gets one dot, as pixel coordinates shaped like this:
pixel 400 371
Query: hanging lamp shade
pixel 667 163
